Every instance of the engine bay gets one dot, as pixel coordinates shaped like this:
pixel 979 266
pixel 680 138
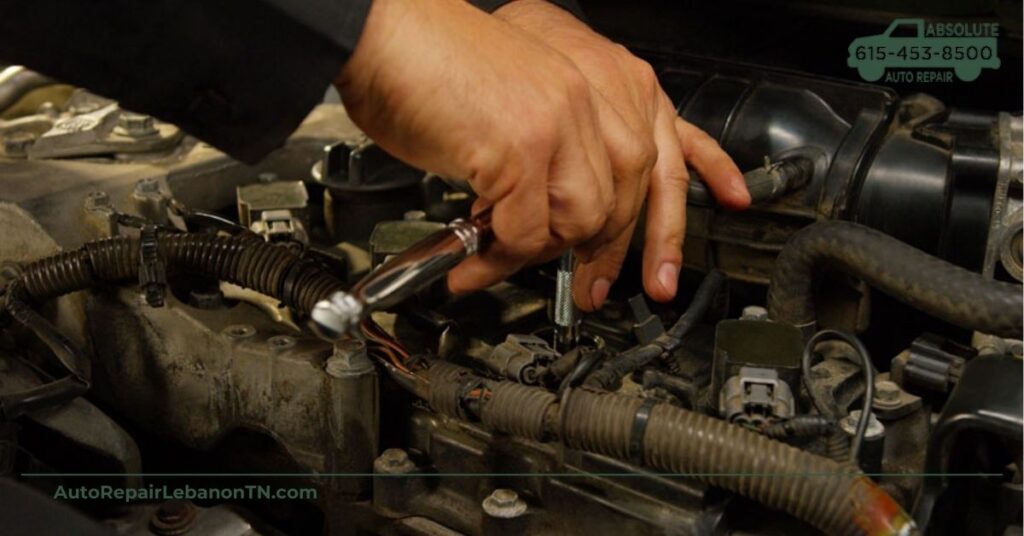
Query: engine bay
pixel 845 356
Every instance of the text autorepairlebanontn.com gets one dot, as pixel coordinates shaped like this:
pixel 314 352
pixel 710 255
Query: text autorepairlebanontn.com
pixel 163 493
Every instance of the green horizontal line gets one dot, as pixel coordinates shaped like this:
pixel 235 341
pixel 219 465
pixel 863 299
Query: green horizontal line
pixel 489 475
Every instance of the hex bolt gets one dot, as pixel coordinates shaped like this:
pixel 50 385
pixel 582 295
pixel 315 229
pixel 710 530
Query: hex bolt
pixel 136 125
pixel 393 462
pixel 148 185
pixel 97 200
pixel 887 392
pixel 173 517
pixel 240 331
pixel 874 430
pixel 350 360
pixel 754 312
pixel 504 503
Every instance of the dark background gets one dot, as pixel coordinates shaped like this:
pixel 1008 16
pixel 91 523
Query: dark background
pixel 813 36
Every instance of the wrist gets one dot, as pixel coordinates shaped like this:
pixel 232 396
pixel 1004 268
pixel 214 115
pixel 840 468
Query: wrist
pixel 383 23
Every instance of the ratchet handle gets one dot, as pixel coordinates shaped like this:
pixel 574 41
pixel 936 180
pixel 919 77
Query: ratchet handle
pixel 402 276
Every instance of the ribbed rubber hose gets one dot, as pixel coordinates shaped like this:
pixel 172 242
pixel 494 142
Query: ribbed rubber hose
pixel 833 497
pixel 245 260
pixel 934 286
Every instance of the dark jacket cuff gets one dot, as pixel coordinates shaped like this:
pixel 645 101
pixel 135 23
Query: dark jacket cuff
pixel 569 5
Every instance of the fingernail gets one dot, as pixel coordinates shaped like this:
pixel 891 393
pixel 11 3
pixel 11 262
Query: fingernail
pixel 599 292
pixel 668 277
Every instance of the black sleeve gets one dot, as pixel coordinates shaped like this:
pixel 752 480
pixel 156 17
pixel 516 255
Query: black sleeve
pixel 569 5
pixel 238 74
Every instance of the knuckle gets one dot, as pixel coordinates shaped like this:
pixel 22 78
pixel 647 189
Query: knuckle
pixel 645 73
pixel 641 157
pixel 538 137
pixel 592 221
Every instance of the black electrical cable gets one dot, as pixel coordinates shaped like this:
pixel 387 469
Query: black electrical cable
pixel 56 392
pixel 580 371
pixel 635 358
pixel 869 382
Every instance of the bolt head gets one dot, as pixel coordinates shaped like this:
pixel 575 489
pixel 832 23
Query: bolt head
pixel 754 312
pixel 504 503
pixel 394 457
pixel 148 185
pixel 887 391
pixel 504 497
pixel 136 125
pixel 393 462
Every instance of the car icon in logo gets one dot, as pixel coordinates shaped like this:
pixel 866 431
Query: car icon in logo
pixel 905 44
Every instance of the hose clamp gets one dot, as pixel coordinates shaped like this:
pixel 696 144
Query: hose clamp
pixel 636 435
pixel 152 273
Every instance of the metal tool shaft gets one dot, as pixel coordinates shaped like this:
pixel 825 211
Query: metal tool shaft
pixel 402 276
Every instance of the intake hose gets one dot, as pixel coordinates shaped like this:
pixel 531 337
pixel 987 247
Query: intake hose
pixel 934 286
pixel 245 260
pixel 834 497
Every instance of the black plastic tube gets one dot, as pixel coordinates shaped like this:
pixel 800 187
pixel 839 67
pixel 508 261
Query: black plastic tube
pixel 244 260
pixel 613 370
pixel 934 286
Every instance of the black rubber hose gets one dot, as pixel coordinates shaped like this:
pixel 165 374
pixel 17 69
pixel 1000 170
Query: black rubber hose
pixel 54 393
pixel 244 260
pixel 948 292
pixel 613 370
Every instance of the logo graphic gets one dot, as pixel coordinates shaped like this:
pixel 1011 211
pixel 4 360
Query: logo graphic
pixel 932 49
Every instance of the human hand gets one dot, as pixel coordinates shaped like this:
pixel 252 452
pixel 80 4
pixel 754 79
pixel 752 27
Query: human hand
pixel 446 87
pixel 665 142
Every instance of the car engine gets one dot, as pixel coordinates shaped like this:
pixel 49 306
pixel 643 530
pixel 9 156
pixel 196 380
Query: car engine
pixel 844 357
